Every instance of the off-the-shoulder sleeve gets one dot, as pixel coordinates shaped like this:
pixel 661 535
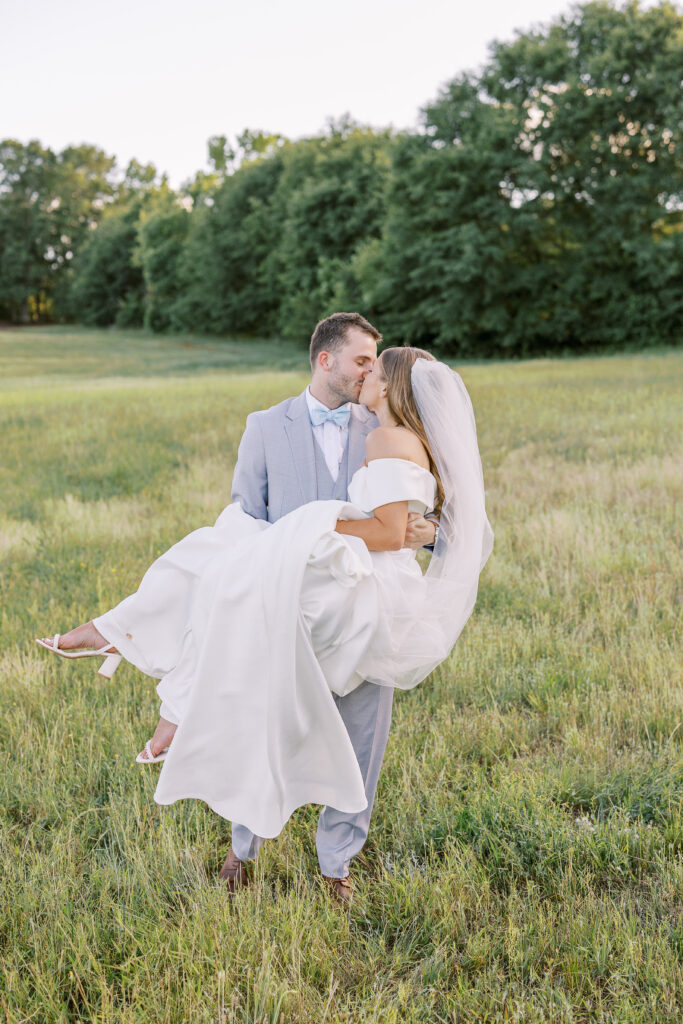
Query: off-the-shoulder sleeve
pixel 387 480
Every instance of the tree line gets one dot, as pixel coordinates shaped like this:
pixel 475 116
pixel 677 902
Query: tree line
pixel 538 208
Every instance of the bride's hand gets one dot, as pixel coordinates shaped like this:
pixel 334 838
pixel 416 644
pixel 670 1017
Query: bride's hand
pixel 419 531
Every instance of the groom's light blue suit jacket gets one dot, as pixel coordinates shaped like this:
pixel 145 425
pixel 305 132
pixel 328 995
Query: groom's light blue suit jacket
pixel 276 464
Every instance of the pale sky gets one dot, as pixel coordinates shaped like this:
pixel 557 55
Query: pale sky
pixel 153 79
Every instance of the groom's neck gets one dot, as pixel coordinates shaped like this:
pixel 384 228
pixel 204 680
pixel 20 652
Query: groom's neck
pixel 321 394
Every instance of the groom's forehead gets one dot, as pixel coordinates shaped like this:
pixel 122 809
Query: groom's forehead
pixel 358 343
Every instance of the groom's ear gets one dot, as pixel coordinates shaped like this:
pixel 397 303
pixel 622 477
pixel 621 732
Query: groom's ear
pixel 324 360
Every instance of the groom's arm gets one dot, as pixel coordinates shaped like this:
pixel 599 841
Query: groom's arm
pixel 250 479
pixel 420 531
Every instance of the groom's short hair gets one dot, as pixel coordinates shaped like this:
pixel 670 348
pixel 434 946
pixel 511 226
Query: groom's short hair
pixel 330 333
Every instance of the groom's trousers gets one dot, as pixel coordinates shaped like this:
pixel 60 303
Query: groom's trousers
pixel 366 713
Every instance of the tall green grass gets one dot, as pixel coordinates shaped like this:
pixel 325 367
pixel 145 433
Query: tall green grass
pixel 525 855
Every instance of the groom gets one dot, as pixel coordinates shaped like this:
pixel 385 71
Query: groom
pixel 304 449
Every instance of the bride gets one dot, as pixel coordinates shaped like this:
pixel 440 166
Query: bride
pixel 249 625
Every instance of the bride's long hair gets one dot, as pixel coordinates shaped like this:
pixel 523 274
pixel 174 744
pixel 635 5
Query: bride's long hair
pixel 395 366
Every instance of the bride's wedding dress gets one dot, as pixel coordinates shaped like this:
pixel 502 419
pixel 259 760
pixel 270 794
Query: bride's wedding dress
pixel 250 625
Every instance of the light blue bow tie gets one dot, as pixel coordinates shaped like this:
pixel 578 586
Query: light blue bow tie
pixel 339 416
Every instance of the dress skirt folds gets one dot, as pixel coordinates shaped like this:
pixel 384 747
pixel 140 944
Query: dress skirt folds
pixel 249 626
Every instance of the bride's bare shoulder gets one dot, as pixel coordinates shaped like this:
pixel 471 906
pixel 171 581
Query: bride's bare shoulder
pixel 396 443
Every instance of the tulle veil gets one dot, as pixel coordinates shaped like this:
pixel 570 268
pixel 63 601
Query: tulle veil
pixel 424 631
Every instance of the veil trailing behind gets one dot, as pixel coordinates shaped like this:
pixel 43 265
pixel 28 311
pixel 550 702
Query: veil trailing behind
pixel 424 630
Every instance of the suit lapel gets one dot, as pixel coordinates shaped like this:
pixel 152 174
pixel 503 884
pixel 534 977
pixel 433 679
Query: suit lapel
pixel 300 437
pixel 362 421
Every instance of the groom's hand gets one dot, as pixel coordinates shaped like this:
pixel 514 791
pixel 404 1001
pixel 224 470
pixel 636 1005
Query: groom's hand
pixel 419 531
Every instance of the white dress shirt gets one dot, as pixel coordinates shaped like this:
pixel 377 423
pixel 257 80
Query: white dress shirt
pixel 331 438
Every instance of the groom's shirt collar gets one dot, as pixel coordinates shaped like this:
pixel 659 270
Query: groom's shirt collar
pixel 314 403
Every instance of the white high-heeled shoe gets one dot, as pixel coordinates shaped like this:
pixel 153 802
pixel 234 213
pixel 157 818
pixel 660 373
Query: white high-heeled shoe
pixel 151 759
pixel 111 662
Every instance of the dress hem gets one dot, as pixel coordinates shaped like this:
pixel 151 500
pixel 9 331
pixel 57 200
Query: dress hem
pixel 258 828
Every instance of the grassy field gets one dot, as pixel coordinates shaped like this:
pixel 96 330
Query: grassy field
pixel 525 857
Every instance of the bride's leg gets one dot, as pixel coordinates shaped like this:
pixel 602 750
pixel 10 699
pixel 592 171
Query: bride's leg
pixel 81 638
pixel 88 636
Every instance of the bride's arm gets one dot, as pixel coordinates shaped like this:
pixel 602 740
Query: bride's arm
pixel 385 530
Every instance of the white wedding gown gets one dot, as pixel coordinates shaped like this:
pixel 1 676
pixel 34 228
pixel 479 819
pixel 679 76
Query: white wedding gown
pixel 250 625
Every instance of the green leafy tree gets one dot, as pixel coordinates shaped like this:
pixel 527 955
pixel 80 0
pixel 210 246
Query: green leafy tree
pixel 26 173
pixel 108 286
pixel 448 272
pixel 541 206
pixel 252 145
pixel 332 198
pixel 598 95
pixel 162 232
pixel 204 186
pixel 196 305
pixel 139 180
pixel 48 204
pixel 226 270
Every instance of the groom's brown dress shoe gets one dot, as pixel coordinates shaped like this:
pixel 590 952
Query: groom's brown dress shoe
pixel 234 872
pixel 339 889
